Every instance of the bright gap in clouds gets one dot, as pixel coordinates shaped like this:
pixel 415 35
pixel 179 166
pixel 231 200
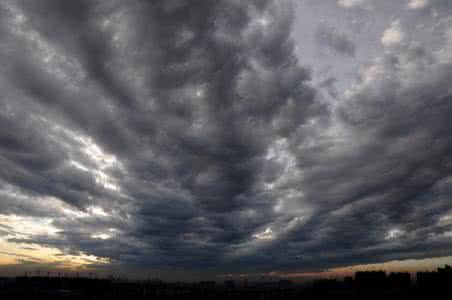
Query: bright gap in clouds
pixel 16 247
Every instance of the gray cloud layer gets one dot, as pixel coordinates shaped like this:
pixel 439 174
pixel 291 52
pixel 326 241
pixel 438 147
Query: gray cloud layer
pixel 189 132
pixel 329 36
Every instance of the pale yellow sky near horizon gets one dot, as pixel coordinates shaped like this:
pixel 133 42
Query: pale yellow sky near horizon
pixel 24 255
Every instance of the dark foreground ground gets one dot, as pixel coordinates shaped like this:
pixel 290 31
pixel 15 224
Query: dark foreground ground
pixel 365 285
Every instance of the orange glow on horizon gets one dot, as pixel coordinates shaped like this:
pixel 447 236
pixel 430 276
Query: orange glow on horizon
pixel 16 253
pixel 408 265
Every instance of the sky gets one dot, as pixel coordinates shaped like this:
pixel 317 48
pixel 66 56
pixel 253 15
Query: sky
pixel 189 139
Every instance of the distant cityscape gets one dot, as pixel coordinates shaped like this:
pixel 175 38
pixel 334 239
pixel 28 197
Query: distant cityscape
pixel 47 285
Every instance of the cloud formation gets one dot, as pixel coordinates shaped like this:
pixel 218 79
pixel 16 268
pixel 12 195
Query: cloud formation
pixel 339 42
pixel 187 135
pixel 418 4
pixel 351 3
pixel 393 35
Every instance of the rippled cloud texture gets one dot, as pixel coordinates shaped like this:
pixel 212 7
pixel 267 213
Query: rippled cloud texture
pixel 188 134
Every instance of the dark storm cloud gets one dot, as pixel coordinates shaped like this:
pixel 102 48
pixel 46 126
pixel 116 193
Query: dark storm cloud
pixel 383 191
pixel 329 85
pixel 330 37
pixel 191 138
pixel 186 134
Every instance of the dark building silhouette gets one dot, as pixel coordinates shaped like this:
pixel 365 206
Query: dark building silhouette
pixel 370 279
pixel 446 271
pixel 285 284
pixel 327 284
pixel 229 284
pixel 442 279
pixel 399 280
pixel 348 283
pixel 426 279
pixel 365 285
pixel 207 284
